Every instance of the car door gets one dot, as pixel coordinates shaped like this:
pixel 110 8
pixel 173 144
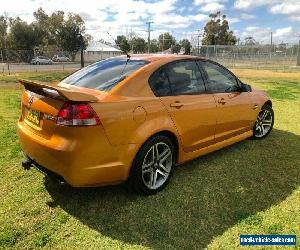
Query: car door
pixel 235 109
pixel 181 89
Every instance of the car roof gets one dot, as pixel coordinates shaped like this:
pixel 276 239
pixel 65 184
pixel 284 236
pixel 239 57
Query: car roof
pixel 156 57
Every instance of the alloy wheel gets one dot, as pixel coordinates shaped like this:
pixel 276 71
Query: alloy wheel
pixel 263 123
pixel 157 165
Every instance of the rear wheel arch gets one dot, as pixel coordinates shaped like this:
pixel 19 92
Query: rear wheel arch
pixel 173 138
pixel 166 133
pixel 164 136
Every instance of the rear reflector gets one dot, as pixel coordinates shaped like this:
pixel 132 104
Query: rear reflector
pixel 77 114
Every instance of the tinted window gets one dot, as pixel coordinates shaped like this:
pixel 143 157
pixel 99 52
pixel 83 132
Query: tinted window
pixel 105 74
pixel 159 83
pixel 219 79
pixel 185 78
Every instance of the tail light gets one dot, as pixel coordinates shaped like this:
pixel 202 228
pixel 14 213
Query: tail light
pixel 77 114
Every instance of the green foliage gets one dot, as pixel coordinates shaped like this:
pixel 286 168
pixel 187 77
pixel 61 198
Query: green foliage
pixel 154 46
pixel 3 30
pixel 23 35
pixel 166 40
pixel 176 48
pixel 138 45
pixel 65 32
pixel 185 43
pixel 71 35
pixel 122 43
pixel 216 31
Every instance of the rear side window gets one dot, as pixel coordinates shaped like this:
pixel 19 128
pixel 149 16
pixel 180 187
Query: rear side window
pixel 179 78
pixel 105 74
pixel 159 83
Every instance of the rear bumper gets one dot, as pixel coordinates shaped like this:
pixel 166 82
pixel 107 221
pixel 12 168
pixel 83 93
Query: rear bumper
pixel 81 156
pixel 29 163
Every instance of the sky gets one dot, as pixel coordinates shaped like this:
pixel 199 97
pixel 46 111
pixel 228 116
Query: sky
pixel 182 18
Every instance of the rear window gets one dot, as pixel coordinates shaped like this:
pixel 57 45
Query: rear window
pixel 105 74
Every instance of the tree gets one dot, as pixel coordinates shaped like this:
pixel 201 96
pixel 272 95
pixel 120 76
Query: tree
pixel 250 41
pixel 3 30
pixel 166 40
pixel 138 45
pixel 122 43
pixel 176 48
pixel 51 25
pixel 154 46
pixel 24 36
pixel 216 31
pixel 71 36
pixel 185 43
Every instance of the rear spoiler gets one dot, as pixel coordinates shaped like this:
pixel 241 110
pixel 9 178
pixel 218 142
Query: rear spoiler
pixel 57 92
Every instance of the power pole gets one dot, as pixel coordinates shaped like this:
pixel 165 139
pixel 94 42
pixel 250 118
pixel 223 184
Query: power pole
pixel 271 44
pixel 149 23
pixel 198 42
pixel 298 57
pixel 163 42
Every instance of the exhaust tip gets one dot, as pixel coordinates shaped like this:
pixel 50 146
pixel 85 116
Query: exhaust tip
pixel 26 164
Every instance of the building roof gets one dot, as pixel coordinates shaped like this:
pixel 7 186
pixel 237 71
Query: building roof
pixel 99 46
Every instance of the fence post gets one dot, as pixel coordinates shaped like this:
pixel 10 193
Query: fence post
pixel 298 56
pixel 7 61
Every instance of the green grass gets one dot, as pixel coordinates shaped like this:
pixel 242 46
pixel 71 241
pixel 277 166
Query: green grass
pixel 9 81
pixel 252 187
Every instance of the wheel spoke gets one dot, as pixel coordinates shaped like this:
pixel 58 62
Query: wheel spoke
pixel 165 155
pixel 163 167
pixel 262 130
pixel 265 113
pixel 154 178
pixel 147 167
pixel 266 122
pixel 161 173
pixel 153 152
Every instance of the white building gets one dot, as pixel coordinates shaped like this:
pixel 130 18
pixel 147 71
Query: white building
pixel 98 51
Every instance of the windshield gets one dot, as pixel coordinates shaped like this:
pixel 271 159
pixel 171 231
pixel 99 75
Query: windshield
pixel 105 74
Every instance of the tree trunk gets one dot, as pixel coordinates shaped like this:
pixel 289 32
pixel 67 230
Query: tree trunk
pixel 81 58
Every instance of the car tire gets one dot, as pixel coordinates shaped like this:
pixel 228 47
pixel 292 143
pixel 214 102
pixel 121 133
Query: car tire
pixel 152 168
pixel 264 122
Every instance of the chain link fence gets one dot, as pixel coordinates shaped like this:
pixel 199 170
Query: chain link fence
pixel 254 56
pixel 33 60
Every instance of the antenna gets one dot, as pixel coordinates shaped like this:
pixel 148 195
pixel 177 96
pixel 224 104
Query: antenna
pixel 128 56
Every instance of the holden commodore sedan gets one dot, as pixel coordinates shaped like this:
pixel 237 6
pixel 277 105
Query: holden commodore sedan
pixel 133 119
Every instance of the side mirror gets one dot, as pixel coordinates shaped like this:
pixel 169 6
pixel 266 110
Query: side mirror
pixel 244 87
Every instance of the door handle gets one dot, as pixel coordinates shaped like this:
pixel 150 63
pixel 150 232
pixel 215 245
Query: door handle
pixel 177 105
pixel 222 101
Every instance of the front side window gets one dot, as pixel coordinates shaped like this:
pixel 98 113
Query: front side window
pixel 105 74
pixel 185 78
pixel 219 80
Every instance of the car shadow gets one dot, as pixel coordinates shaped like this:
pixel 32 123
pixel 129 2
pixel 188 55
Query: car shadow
pixel 205 197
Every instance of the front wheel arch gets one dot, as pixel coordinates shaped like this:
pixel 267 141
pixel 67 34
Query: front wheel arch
pixel 269 103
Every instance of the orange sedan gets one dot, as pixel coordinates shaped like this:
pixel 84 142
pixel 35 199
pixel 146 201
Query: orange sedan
pixel 133 119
